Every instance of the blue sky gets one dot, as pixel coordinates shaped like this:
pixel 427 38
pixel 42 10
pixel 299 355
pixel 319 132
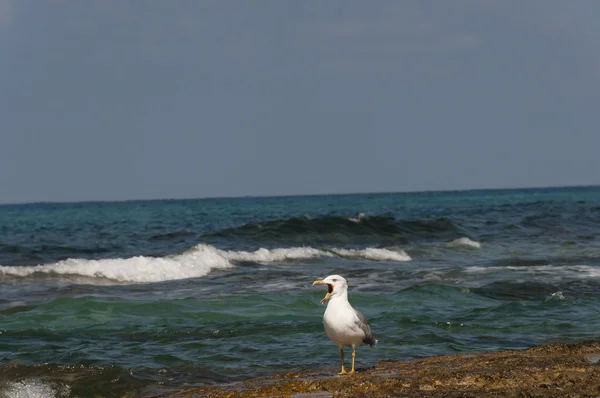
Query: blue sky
pixel 144 99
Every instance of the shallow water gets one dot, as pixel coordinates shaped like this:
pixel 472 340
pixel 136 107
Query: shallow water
pixel 151 296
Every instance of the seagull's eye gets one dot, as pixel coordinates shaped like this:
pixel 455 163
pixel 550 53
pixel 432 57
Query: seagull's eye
pixel 334 279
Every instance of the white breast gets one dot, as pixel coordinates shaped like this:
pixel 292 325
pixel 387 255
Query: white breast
pixel 340 323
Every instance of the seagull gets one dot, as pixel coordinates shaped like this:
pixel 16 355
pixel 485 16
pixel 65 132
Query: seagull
pixel 343 324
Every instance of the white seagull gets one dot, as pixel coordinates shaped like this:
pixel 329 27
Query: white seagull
pixel 343 324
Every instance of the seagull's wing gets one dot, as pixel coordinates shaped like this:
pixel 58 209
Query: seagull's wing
pixel 363 324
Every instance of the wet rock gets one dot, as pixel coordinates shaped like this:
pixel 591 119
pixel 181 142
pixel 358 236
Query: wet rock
pixel 555 370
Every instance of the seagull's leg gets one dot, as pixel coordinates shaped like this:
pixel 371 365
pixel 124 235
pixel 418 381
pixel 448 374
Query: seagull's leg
pixel 343 372
pixel 353 355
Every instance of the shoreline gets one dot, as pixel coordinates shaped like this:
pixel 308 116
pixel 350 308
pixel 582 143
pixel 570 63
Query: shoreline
pixel 552 370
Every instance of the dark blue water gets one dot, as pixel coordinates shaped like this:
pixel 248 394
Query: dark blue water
pixel 150 296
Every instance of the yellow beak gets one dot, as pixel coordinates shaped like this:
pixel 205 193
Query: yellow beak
pixel 329 288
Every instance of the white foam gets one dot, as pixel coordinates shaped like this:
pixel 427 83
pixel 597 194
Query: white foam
pixel 556 296
pixel 191 264
pixel 375 254
pixel 302 253
pixel 483 270
pixel 275 255
pixel 464 242
pixel 194 263
pixel 593 272
pixel 32 388
pixel 358 218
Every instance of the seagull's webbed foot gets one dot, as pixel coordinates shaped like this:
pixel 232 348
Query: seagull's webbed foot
pixel 343 372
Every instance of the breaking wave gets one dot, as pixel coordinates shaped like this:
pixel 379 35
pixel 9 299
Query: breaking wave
pixel 193 263
pixel 464 242
pixel 375 254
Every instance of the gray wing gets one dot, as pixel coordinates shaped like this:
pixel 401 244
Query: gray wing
pixel 366 328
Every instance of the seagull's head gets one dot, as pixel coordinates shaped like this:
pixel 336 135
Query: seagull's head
pixel 336 285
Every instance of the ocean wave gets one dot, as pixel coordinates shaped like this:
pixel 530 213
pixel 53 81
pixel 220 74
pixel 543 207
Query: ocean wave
pixel 55 249
pixel 193 263
pixel 171 235
pixel 335 229
pixel 556 296
pixel 549 270
pixel 275 255
pixel 375 254
pixel 304 253
pixel 28 254
pixel 464 242
pixel 359 217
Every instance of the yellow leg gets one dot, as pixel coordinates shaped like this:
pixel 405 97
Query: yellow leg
pixel 353 355
pixel 343 372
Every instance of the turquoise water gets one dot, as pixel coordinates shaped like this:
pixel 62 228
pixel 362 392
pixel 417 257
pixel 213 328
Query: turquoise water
pixel 151 296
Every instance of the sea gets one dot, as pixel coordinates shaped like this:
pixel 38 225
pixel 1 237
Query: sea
pixel 138 298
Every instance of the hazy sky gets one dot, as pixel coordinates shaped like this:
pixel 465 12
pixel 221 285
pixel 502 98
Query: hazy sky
pixel 147 99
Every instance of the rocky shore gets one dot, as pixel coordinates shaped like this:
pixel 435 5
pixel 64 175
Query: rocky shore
pixel 554 370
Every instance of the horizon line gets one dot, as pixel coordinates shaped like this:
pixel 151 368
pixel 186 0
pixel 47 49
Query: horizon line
pixel 50 202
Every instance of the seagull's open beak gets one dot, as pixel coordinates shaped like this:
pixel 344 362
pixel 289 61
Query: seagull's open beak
pixel 329 289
